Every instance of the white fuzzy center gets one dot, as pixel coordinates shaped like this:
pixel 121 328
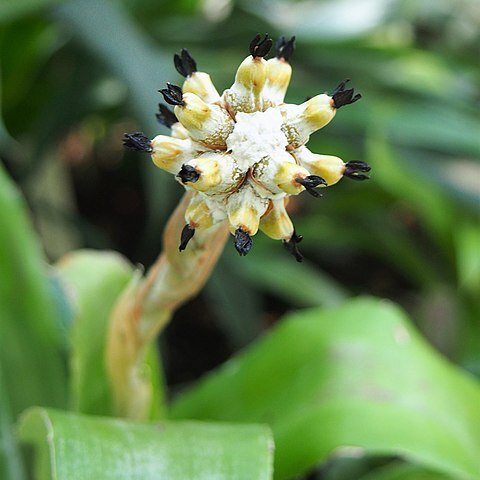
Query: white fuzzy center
pixel 255 136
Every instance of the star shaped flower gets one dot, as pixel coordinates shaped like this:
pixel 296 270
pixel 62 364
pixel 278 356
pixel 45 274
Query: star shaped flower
pixel 243 153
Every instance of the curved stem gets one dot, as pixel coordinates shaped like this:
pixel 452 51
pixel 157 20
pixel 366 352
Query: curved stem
pixel 147 304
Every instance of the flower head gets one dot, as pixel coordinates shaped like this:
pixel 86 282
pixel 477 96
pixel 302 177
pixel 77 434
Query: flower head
pixel 243 153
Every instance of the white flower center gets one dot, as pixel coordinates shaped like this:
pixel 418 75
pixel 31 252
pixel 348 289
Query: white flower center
pixel 256 136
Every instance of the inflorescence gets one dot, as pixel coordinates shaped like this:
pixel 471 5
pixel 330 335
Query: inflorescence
pixel 243 153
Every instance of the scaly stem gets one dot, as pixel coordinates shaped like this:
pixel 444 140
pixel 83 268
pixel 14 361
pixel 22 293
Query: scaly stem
pixel 147 304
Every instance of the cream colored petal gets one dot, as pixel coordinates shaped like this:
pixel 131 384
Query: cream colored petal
pixel 276 223
pixel 329 167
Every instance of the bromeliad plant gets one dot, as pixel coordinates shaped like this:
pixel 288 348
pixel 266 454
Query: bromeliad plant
pixel 327 381
pixel 242 154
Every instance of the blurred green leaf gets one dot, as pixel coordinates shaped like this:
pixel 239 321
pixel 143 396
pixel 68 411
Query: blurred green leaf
pixel 11 10
pixel 467 239
pixel 11 467
pixel 406 183
pixel 107 31
pixel 236 301
pixel 399 471
pixel 355 379
pixel 301 284
pixel 93 280
pixel 433 125
pixel 77 447
pixel 30 337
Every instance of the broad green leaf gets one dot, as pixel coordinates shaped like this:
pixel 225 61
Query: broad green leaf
pixel 30 338
pixel 93 280
pixel 11 467
pixel 78 447
pixel 355 377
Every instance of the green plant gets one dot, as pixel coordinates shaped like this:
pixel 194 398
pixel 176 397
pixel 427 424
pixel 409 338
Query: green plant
pixel 345 384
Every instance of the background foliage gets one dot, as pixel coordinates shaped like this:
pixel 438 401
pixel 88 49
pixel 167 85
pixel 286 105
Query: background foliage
pixel 75 75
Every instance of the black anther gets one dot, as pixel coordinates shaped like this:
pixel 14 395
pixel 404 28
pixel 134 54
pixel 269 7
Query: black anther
pixel 243 242
pixel 185 237
pixel 354 169
pixel 165 116
pixel 188 174
pixel 184 63
pixel 137 141
pixel 292 246
pixel 259 47
pixel 310 183
pixel 285 49
pixel 342 97
pixel 172 94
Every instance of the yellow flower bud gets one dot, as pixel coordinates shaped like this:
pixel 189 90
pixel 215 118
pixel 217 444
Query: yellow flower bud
pixel 170 153
pixel 244 209
pixel 245 95
pixel 201 85
pixel 280 174
pixel 209 124
pixel 276 223
pixel 213 172
pixel 279 73
pixel 329 167
pixel 179 131
pixel 302 120
pixel 287 176
pixel 198 213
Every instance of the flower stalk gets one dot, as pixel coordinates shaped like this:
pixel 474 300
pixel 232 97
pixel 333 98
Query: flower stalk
pixel 148 303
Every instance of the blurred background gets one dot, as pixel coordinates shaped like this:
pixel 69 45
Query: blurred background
pixel 74 76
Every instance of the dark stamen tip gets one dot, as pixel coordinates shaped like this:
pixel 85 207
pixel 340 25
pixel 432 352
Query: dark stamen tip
pixel 184 63
pixel 259 47
pixel 172 94
pixel 292 246
pixel 165 116
pixel 342 97
pixel 254 43
pixel 355 169
pixel 137 141
pixel 243 242
pixel 188 174
pixel 310 183
pixel 285 49
pixel 185 237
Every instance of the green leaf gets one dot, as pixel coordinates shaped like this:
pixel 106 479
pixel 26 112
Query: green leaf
pixel 467 239
pixel 11 10
pixel 30 337
pixel 299 283
pixel 355 378
pixel 78 447
pixel 93 280
pixel 237 302
pixel 407 183
pixel 108 32
pixel 11 467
